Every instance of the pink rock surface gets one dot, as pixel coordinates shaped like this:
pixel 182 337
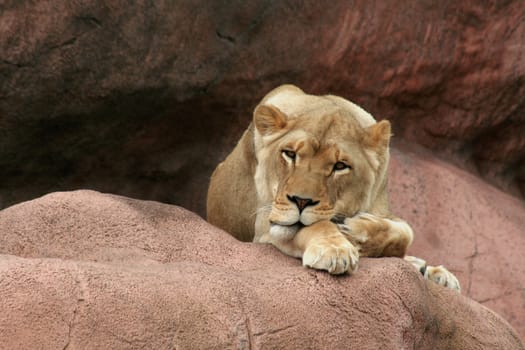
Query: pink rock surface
pixel 462 222
pixel 87 270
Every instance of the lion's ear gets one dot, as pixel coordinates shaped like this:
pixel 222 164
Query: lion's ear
pixel 268 119
pixel 378 135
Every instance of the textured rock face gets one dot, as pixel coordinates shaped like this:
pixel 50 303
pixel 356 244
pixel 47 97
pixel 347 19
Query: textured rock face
pixel 86 270
pixel 144 98
pixel 461 222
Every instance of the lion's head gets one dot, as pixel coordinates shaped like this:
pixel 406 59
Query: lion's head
pixel 317 157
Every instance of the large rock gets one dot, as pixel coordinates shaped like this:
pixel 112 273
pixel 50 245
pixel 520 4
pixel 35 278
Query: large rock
pixel 144 98
pixel 473 228
pixel 91 271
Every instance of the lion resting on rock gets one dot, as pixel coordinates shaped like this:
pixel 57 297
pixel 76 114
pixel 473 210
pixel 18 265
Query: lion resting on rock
pixel 309 176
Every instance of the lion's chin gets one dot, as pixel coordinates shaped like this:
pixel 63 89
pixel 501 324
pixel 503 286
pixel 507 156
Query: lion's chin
pixel 284 233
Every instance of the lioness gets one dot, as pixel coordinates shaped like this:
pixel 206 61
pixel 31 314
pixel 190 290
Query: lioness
pixel 309 176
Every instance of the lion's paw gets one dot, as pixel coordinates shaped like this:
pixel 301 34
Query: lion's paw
pixel 437 274
pixel 333 254
pixel 418 263
pixel 443 277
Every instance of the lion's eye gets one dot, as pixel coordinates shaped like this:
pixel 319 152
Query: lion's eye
pixel 341 166
pixel 289 154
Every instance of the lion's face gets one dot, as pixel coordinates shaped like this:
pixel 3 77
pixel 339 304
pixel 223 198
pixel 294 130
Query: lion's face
pixel 313 167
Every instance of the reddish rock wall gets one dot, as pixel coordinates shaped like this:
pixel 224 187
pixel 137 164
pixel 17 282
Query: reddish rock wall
pixel 100 271
pixel 461 222
pixel 144 98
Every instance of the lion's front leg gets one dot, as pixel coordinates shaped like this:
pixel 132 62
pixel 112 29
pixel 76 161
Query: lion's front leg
pixel 322 246
pixel 437 274
pixel 377 236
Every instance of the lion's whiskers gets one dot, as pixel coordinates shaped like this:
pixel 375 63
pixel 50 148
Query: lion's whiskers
pixel 263 209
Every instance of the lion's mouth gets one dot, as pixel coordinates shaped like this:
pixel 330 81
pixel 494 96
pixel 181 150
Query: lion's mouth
pixel 284 223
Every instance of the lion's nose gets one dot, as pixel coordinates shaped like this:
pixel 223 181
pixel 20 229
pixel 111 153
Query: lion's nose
pixel 301 202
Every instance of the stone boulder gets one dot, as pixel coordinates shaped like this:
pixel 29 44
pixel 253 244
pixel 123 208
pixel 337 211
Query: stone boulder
pixel 89 270
pixel 144 98
pixel 462 222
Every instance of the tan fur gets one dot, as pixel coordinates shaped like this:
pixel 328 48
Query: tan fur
pixel 304 160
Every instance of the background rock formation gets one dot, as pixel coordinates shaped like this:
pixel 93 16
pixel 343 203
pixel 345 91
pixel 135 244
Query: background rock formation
pixel 474 229
pixel 155 276
pixel 144 98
